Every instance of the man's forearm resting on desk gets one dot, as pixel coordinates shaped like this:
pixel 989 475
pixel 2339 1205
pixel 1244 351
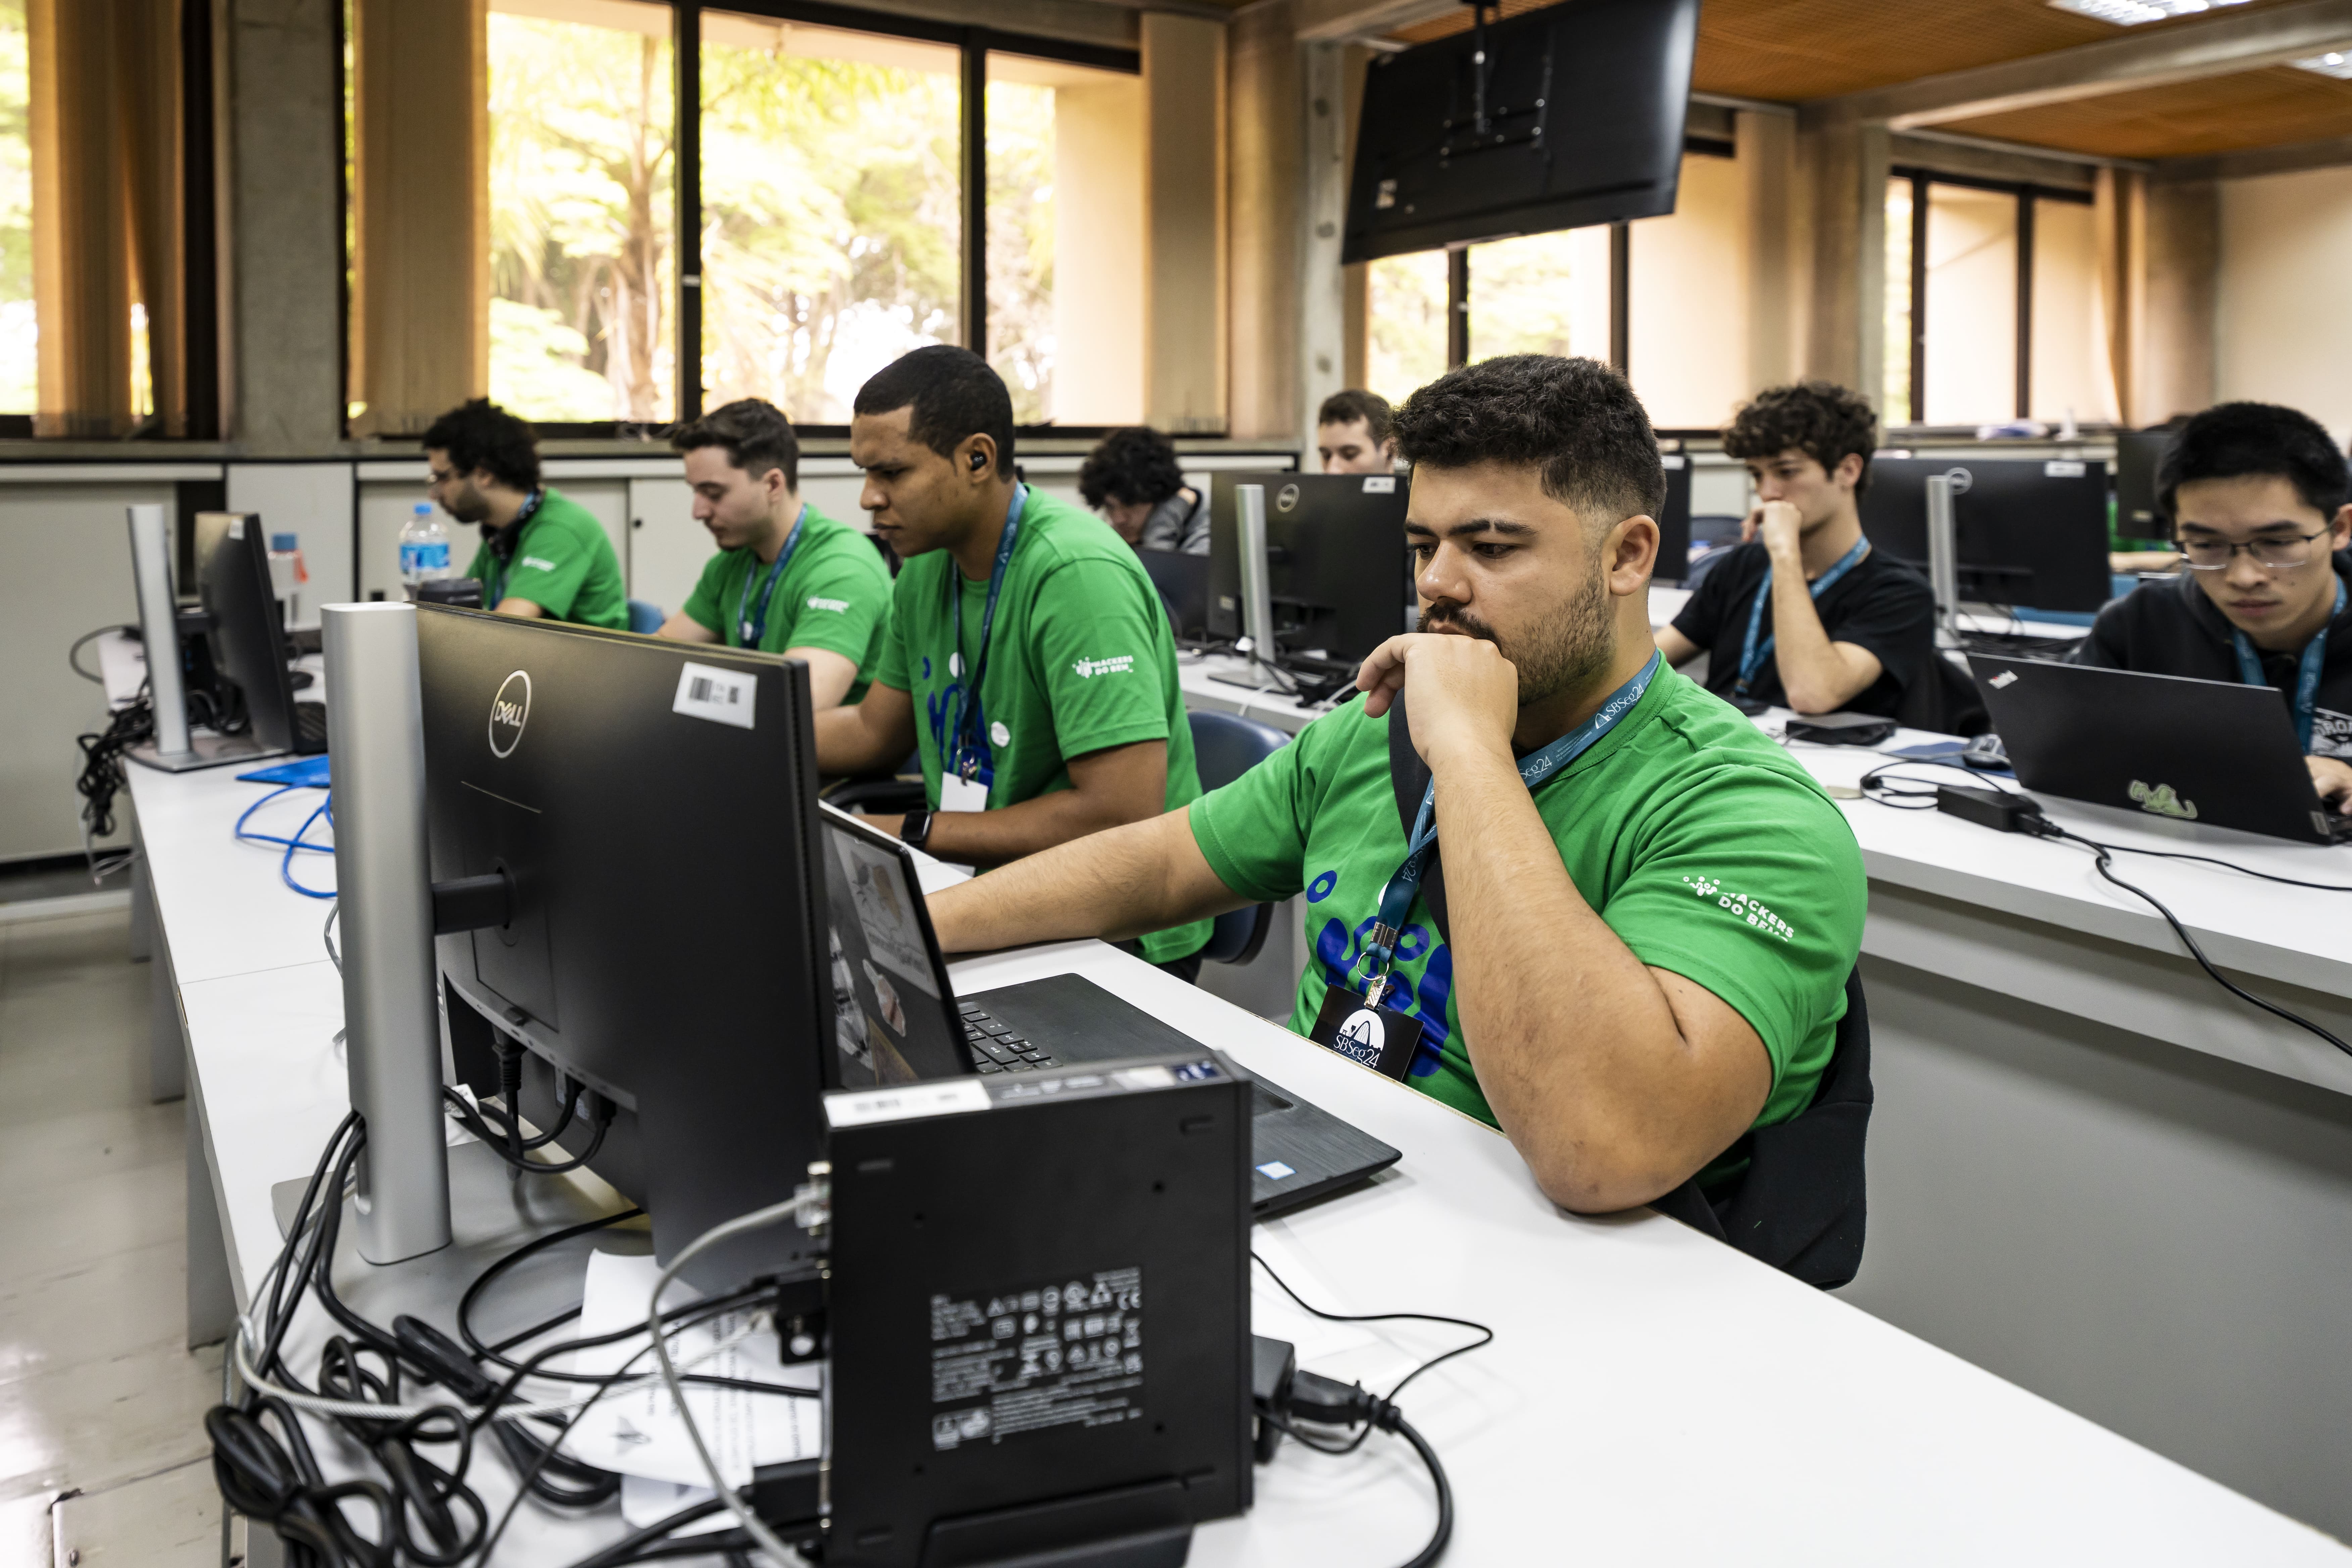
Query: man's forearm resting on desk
pixel 1145 877
pixel 1109 788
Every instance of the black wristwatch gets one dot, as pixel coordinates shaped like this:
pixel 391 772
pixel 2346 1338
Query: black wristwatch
pixel 915 830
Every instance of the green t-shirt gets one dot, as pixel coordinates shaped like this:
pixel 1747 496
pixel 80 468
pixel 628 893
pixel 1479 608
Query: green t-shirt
pixel 1706 848
pixel 1081 660
pixel 563 563
pixel 835 595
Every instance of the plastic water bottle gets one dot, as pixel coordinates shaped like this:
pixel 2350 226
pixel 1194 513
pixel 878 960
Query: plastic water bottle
pixel 423 548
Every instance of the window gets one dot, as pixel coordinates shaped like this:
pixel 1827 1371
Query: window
pixel 1405 314
pixel 1541 294
pixel 1065 239
pixel 20 347
pixel 1992 310
pixel 583 211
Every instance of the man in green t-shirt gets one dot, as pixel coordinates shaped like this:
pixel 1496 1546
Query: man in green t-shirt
pixel 787 579
pixel 1643 953
pixel 542 554
pixel 1078 724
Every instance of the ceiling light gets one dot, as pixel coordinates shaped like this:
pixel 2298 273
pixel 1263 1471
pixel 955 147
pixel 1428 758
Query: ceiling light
pixel 2132 13
pixel 2336 63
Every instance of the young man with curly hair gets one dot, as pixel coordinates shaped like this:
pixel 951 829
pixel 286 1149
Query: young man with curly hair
pixel 1805 614
pixel 2256 494
pixel 542 554
pixel 1648 910
pixel 1134 480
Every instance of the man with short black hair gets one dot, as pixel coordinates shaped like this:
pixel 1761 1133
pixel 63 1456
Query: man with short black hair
pixel 542 554
pixel 1637 944
pixel 1134 480
pixel 1028 659
pixel 787 579
pixel 1353 433
pixel 2256 494
pixel 1805 614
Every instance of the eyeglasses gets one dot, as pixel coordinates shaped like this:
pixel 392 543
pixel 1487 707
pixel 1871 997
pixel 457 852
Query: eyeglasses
pixel 2279 552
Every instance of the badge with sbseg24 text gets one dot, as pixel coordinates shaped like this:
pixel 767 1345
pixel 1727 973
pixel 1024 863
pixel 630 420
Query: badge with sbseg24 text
pixel 1381 1038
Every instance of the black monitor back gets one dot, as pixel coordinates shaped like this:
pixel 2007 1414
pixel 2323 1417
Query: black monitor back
pixel 1337 569
pixel 2029 531
pixel 1585 107
pixel 2138 455
pixel 666 894
pixel 1674 522
pixel 246 635
pixel 1183 585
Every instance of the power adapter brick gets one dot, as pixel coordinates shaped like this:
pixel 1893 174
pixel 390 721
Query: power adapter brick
pixel 2001 810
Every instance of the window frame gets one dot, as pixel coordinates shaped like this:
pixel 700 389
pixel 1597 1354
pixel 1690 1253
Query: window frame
pixel 2025 193
pixel 975 45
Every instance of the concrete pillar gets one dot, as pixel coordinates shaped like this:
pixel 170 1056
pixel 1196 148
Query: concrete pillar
pixel 1323 212
pixel 1185 288
pixel 1266 131
pixel 1842 243
pixel 1767 146
pixel 284 119
pixel 2184 266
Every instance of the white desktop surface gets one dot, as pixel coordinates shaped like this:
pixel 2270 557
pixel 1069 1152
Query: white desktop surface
pixel 1651 1395
pixel 1666 603
pixel 195 814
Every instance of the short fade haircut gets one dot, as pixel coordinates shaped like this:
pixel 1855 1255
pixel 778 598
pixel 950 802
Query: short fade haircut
pixel 755 433
pixel 1826 422
pixel 953 395
pixel 1347 408
pixel 2232 440
pixel 1575 420
pixel 1136 465
pixel 478 434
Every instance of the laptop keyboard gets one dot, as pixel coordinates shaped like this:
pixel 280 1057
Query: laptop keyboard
pixel 998 1049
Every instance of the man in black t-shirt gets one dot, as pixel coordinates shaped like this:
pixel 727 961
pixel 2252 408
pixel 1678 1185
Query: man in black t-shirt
pixel 1805 614
pixel 2256 494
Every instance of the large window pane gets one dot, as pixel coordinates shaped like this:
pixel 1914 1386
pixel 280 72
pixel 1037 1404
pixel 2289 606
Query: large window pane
pixel 1897 397
pixel 1687 339
pixel 19 337
pixel 1541 294
pixel 1405 332
pixel 582 220
pixel 1065 240
pixel 1971 346
pixel 2071 373
pixel 831 209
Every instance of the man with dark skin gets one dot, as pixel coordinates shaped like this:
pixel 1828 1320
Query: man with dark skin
pixel 1622 1033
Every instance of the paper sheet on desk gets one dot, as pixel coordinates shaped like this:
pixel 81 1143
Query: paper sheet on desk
pixel 638 1433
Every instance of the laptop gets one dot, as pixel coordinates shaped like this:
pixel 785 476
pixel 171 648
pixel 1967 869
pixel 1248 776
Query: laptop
pixel 898 1020
pixel 1183 585
pixel 2214 751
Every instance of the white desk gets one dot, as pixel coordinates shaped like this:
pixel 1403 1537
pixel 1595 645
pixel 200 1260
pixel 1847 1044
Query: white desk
pixel 1651 1395
pixel 1666 603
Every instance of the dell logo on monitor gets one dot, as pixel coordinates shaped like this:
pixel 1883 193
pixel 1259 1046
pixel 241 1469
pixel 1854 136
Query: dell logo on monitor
pixel 509 709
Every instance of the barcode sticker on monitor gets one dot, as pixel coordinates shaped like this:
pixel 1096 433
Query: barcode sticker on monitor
pixel 1670 460
pixel 2060 470
pixel 721 696
pixel 1381 485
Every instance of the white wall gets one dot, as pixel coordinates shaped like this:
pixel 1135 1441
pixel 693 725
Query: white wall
pixel 2282 333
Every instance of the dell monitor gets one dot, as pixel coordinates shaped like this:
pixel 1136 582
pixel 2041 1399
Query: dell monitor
pixel 2139 514
pixel 1182 581
pixel 1674 522
pixel 649 804
pixel 1338 572
pixel 1569 116
pixel 246 631
pixel 2028 532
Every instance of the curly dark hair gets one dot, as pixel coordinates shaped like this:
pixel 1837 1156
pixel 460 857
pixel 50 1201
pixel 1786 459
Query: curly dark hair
pixel 1131 465
pixel 2230 440
pixel 755 433
pixel 953 394
pixel 1576 419
pixel 1824 421
pixel 478 434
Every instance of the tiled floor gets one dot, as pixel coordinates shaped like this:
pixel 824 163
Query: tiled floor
pixel 98 1394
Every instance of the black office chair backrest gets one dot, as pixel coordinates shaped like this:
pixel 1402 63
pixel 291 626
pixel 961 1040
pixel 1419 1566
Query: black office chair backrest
pixel 1801 1203
pixel 1225 747
pixel 1943 698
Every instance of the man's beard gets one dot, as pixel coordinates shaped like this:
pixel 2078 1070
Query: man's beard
pixel 1571 647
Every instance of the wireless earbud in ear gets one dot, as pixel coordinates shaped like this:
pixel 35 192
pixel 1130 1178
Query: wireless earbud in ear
pixel 979 461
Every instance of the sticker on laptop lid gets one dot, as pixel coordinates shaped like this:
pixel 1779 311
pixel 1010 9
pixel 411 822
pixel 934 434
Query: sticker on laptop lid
pixel 903 1102
pixel 721 696
pixel 2059 468
pixel 1671 461
pixel 2006 679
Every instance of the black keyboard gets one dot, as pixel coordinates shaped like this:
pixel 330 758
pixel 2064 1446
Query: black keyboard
pixel 310 728
pixel 998 1049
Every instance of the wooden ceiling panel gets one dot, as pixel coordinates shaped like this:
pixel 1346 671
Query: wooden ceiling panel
pixel 1787 50
pixel 2271 108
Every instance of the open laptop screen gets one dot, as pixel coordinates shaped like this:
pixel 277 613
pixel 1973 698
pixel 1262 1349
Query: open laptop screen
pixel 894 1011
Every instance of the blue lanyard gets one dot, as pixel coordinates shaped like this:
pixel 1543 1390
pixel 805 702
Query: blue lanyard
pixel 1397 897
pixel 495 588
pixel 966 747
pixel 1752 656
pixel 754 625
pixel 2307 683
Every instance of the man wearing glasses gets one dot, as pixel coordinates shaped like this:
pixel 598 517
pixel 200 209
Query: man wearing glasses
pixel 542 554
pixel 2256 494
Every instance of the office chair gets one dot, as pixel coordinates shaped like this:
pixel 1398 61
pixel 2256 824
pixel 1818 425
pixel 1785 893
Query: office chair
pixel 645 618
pixel 882 795
pixel 1225 747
